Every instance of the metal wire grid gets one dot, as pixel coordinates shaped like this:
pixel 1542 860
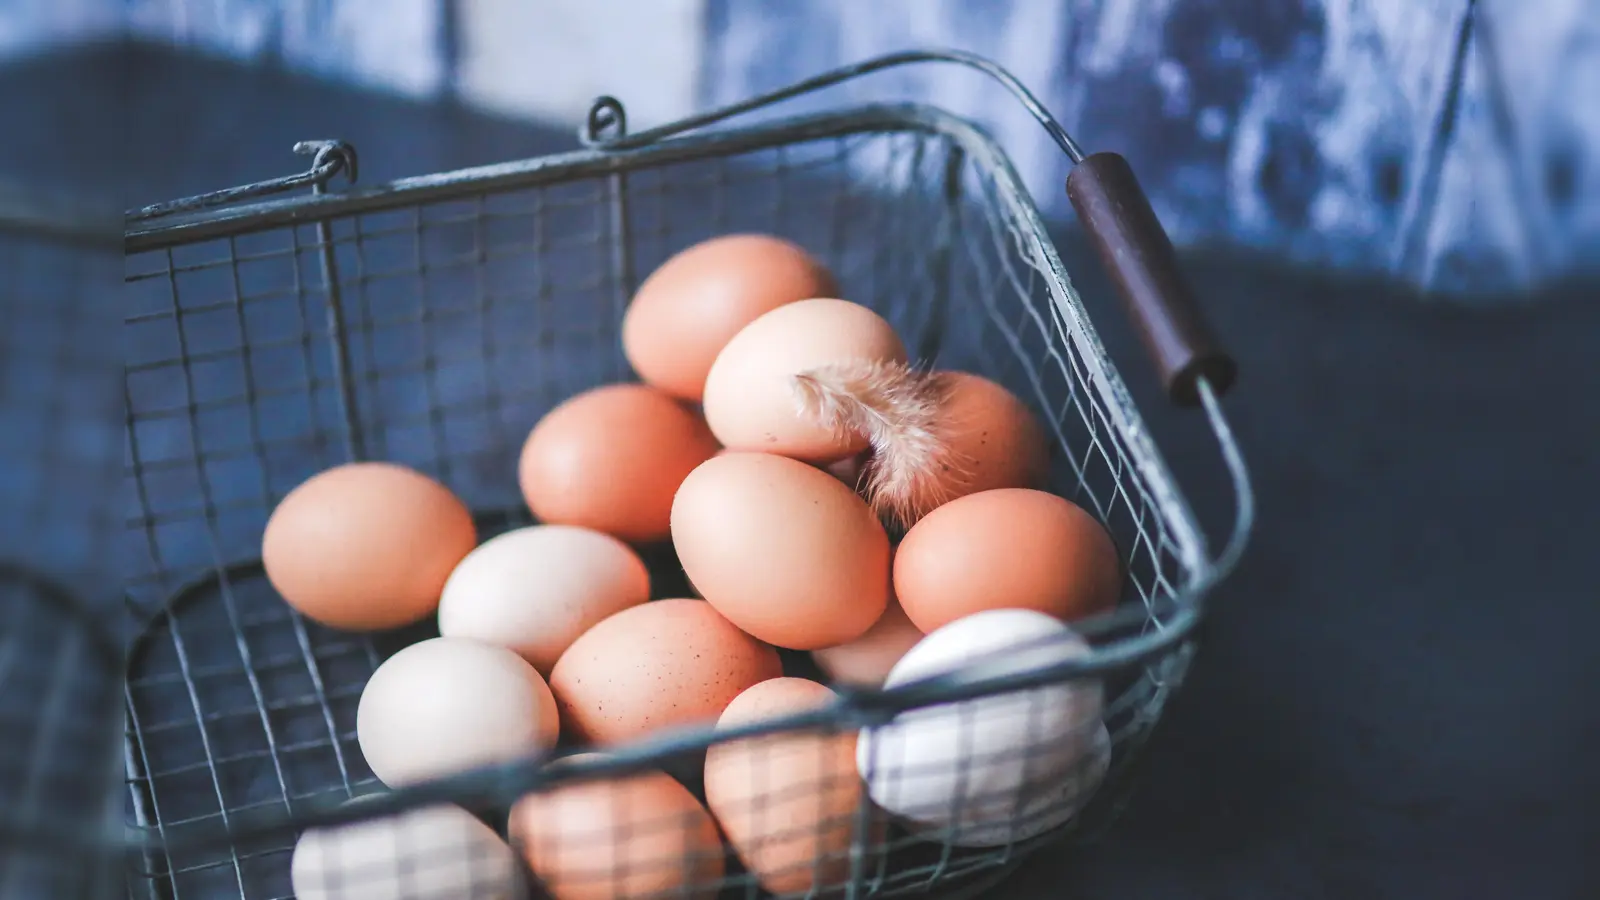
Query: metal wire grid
pixel 808 829
pixel 58 405
pixel 60 656
pixel 447 330
pixel 58 766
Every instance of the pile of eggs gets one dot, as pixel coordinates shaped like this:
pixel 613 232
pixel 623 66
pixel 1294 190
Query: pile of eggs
pixel 552 632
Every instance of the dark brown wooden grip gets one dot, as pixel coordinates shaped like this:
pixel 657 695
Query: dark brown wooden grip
pixel 1139 257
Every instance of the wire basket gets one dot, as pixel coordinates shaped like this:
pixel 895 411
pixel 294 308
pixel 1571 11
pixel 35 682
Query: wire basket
pixel 61 659
pixel 432 321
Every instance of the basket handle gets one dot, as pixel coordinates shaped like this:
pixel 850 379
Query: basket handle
pixel 1143 266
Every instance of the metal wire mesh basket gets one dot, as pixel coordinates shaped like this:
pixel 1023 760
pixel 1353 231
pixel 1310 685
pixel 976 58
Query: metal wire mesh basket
pixel 60 655
pixel 431 322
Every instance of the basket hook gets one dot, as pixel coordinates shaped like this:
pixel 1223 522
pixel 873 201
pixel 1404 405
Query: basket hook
pixel 328 159
pixel 606 123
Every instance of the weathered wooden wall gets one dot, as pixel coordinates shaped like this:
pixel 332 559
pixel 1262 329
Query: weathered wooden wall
pixel 1454 144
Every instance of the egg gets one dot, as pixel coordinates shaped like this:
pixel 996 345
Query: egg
pixel 751 402
pixel 610 459
pixel 429 853
pixel 1008 548
pixel 693 304
pixel 996 769
pixel 630 836
pixel 784 550
pixel 444 705
pixel 991 436
pixel 366 546
pixel 867 660
pixel 536 589
pixel 664 664
pixel 787 801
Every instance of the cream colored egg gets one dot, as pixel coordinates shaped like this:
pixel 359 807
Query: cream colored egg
pixel 445 705
pixel 431 853
pixel 751 399
pixel 536 589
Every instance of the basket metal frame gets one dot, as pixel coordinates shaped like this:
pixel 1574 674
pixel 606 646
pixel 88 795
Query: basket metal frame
pixel 222 215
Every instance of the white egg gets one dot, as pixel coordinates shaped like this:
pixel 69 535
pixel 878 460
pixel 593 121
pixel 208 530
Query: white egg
pixel 536 589
pixel 431 853
pixel 995 769
pixel 444 705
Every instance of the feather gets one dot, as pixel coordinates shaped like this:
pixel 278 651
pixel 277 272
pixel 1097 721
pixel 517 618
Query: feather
pixel 896 407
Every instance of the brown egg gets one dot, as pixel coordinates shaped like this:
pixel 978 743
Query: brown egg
pixel 1012 548
pixel 751 402
pixel 787 801
pixel 611 458
pixel 631 836
pixel 866 661
pixel 660 665
pixel 366 546
pixel 690 307
pixel 783 549
pixel 991 435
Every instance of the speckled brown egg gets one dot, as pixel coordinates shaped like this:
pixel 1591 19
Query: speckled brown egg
pixel 695 302
pixel 664 664
pixel 991 435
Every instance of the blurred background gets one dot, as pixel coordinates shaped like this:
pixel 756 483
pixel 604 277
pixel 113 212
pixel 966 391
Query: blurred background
pixel 1391 210
pixel 1443 142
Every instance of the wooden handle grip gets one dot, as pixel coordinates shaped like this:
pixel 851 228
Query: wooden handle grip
pixel 1139 257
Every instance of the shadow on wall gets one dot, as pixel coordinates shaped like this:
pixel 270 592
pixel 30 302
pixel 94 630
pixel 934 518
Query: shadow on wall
pixel 1445 141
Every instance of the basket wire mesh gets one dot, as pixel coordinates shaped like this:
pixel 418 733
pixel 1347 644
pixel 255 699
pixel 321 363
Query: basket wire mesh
pixel 431 323
pixel 60 651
